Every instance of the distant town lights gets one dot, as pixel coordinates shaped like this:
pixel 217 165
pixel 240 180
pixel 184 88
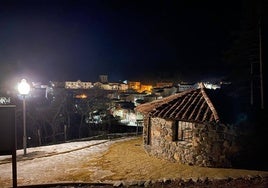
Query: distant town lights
pixel 82 96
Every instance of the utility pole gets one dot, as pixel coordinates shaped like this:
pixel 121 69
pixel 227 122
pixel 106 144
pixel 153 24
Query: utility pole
pixel 251 85
pixel 261 73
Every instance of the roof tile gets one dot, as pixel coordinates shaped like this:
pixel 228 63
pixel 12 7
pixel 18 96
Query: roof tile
pixel 191 105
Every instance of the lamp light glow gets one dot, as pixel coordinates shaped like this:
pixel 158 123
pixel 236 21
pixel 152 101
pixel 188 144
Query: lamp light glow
pixel 24 87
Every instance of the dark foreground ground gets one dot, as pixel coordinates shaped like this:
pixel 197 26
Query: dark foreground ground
pixel 256 182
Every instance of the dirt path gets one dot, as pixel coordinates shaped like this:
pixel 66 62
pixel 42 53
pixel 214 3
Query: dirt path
pixel 122 162
pixel 128 161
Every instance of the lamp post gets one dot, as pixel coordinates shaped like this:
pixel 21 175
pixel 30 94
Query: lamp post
pixel 24 89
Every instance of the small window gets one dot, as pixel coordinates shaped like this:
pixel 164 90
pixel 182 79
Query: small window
pixel 182 131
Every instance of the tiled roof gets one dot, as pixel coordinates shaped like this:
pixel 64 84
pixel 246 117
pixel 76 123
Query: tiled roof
pixel 191 105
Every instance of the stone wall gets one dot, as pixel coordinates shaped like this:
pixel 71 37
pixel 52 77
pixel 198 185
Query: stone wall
pixel 211 145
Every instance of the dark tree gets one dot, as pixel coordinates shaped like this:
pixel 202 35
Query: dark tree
pixel 243 58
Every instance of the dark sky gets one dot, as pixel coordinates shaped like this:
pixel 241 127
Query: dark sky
pixel 71 40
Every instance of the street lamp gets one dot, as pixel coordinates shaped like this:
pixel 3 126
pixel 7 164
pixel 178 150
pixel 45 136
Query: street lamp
pixel 24 89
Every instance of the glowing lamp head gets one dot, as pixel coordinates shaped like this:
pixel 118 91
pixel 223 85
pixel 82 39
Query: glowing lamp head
pixel 24 87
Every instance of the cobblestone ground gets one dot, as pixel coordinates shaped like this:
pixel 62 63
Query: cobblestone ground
pixel 256 182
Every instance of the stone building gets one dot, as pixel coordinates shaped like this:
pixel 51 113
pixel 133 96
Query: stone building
pixel 193 127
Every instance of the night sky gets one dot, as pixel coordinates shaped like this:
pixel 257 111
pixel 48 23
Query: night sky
pixel 127 40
